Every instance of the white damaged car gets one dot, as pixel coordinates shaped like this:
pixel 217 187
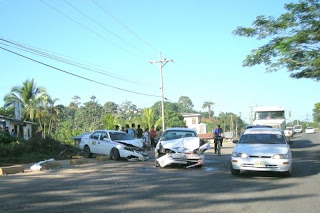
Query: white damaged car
pixel 180 146
pixel 115 144
pixel 261 149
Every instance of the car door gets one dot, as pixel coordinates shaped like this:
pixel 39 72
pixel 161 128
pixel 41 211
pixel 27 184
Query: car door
pixel 93 142
pixel 104 144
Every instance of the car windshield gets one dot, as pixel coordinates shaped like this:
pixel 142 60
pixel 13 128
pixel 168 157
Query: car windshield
pixel 119 136
pixel 262 139
pixel 269 115
pixel 297 127
pixel 175 134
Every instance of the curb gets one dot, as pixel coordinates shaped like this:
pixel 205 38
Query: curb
pixel 11 170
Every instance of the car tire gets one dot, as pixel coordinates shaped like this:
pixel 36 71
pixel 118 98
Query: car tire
pixel 286 174
pixel 87 152
pixel 234 171
pixel 114 154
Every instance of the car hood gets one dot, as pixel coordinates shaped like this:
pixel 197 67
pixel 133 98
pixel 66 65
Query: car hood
pixel 262 149
pixel 134 142
pixel 182 144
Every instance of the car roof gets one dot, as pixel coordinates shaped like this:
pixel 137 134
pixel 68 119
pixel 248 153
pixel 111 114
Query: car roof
pixel 261 130
pixel 108 130
pixel 180 129
pixel 258 126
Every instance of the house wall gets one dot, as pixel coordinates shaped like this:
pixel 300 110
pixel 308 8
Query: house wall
pixel 23 131
pixel 194 123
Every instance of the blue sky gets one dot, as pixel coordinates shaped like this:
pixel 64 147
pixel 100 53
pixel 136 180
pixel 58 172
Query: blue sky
pixel 196 35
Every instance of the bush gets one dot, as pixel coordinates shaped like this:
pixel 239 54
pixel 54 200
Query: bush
pixel 35 149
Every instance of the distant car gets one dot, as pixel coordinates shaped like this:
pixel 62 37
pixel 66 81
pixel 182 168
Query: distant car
pixel 297 129
pixel 180 146
pixel 261 149
pixel 310 130
pixel 288 132
pixel 115 144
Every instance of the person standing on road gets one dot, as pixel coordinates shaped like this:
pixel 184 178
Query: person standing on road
pixel 139 131
pixel 152 136
pixel 218 131
pixel 132 131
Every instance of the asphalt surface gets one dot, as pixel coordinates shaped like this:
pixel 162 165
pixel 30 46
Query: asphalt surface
pixel 141 187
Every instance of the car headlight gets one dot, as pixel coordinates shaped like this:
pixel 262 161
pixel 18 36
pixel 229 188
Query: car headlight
pixel 129 148
pixel 240 155
pixel 281 156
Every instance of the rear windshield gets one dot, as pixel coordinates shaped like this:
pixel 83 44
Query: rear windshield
pixel 119 136
pixel 175 134
pixel 262 139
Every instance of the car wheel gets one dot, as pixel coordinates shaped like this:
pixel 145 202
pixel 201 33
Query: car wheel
pixel 286 174
pixel 114 154
pixel 234 171
pixel 87 152
pixel 157 164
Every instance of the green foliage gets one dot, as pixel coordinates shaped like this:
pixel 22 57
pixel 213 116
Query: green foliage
pixel 185 104
pixel 208 104
pixel 293 40
pixel 108 121
pixel 316 114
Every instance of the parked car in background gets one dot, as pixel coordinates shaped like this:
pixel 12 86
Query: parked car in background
pixel 297 129
pixel 310 130
pixel 180 146
pixel 261 149
pixel 115 144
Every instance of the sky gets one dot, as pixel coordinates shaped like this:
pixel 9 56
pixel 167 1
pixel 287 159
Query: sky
pixel 116 40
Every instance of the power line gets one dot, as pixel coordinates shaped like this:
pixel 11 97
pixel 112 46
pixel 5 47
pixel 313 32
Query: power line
pixel 71 5
pixel 53 8
pixel 97 82
pixel 39 52
pixel 131 31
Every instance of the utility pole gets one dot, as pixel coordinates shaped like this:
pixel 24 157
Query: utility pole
pixel 162 63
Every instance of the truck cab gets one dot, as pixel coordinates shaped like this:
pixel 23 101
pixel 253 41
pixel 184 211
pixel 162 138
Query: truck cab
pixel 270 115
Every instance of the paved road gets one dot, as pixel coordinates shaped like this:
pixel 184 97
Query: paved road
pixel 141 187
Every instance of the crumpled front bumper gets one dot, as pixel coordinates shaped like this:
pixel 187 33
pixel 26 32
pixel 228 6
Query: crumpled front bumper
pixel 134 155
pixel 190 160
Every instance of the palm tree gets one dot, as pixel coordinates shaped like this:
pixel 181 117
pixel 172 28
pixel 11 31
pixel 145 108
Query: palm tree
pixel 29 95
pixel 148 117
pixel 208 104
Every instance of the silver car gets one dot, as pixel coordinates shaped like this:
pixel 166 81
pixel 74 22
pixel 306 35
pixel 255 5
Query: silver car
pixel 261 149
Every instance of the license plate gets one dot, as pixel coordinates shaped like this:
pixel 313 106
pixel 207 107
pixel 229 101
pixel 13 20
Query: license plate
pixel 260 164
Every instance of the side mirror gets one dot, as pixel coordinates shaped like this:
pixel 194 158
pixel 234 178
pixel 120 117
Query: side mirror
pixel 235 141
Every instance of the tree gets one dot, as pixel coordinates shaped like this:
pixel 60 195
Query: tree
pixel 29 95
pixel 293 40
pixel 108 121
pixel 110 107
pixel 185 104
pixel 148 118
pixel 208 104
pixel 316 113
